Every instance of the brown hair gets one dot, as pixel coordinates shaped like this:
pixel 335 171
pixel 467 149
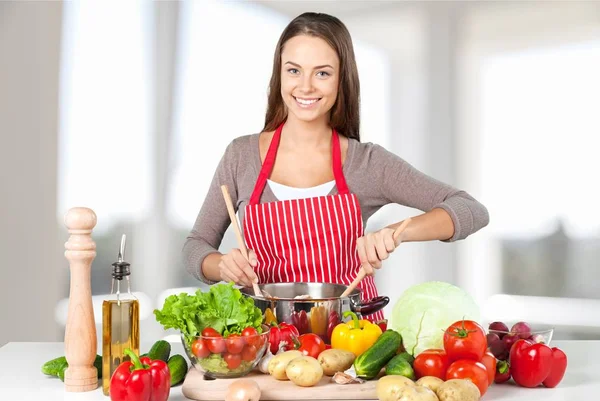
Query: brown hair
pixel 345 113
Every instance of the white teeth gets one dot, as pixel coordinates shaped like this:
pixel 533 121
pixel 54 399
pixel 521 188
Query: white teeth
pixel 306 102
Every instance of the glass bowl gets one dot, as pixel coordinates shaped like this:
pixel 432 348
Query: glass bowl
pixel 229 357
pixel 500 342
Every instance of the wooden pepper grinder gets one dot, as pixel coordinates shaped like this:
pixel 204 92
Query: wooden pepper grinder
pixel 80 333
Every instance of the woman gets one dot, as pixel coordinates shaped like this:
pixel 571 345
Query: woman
pixel 305 186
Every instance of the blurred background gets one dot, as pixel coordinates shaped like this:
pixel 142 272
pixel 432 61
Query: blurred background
pixel 126 108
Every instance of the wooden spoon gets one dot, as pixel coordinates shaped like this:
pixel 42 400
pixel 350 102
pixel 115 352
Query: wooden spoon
pixel 238 234
pixel 361 273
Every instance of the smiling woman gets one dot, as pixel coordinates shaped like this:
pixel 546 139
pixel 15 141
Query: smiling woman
pixel 311 137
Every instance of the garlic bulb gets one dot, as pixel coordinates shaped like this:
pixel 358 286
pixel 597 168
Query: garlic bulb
pixel 263 365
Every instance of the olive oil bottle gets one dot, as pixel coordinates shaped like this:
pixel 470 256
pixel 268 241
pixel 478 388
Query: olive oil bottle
pixel 120 320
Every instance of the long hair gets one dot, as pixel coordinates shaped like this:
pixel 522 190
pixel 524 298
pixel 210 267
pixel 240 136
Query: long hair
pixel 345 113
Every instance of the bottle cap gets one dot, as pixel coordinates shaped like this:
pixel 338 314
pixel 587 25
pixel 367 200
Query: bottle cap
pixel 120 267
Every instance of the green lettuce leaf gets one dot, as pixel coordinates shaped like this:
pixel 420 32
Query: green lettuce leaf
pixel 222 308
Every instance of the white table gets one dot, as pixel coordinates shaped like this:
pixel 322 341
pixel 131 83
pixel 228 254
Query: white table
pixel 22 379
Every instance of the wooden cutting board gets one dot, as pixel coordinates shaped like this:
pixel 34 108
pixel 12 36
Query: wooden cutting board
pixel 197 388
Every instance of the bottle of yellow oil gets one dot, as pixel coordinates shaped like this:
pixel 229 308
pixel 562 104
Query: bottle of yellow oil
pixel 120 320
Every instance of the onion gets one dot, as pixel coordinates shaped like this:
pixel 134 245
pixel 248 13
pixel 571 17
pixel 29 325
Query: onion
pixel 243 390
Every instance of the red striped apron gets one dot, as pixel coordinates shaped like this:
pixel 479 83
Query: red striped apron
pixel 307 240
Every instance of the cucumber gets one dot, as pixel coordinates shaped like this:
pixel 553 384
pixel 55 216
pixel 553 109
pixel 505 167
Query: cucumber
pixel 178 368
pixel 369 364
pixel 400 366
pixel 53 366
pixel 58 366
pixel 407 357
pixel 160 351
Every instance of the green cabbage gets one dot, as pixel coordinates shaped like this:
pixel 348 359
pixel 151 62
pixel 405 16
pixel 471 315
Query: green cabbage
pixel 424 311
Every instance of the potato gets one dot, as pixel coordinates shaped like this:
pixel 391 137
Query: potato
pixel 415 393
pixel 335 360
pixel 279 362
pixel 431 382
pixel 304 371
pixel 458 390
pixel 388 387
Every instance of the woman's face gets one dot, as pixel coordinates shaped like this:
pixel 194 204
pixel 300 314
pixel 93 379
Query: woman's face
pixel 309 77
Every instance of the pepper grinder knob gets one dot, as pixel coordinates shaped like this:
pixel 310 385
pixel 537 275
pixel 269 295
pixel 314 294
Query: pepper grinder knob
pixel 80 331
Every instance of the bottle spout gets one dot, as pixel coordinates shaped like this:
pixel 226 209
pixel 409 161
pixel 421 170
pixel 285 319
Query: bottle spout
pixel 122 248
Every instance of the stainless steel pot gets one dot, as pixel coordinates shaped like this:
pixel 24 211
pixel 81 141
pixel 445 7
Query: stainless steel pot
pixel 319 314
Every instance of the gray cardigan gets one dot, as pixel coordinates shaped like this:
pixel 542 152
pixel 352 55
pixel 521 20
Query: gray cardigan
pixel 377 177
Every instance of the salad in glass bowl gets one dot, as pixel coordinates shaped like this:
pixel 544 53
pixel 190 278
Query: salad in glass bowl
pixel 223 357
pixel 221 329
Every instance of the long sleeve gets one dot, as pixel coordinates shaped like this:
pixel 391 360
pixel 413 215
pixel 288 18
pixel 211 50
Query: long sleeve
pixel 397 181
pixel 213 218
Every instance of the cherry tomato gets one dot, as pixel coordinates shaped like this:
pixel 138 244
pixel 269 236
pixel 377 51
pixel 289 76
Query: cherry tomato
pixel 311 345
pixel 216 344
pixel 200 349
pixel 249 353
pixel 251 336
pixel 234 343
pixel 489 361
pixel 470 370
pixel 233 360
pixel 210 332
pixel 431 362
pixel 465 339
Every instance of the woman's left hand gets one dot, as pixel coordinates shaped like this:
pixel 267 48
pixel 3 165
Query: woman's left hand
pixel 375 247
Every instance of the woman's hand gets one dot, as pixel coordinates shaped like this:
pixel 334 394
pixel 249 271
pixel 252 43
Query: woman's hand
pixel 235 267
pixel 375 247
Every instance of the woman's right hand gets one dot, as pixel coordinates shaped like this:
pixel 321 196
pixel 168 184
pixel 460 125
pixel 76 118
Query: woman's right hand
pixel 234 267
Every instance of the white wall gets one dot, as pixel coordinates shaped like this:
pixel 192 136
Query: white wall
pixel 33 270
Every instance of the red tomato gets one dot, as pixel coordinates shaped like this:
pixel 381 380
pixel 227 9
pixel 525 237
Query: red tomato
pixel 489 361
pixel 470 370
pixel 311 345
pixel 249 353
pixel 234 343
pixel 215 343
pixel 431 362
pixel 251 336
pixel 465 339
pixel 210 332
pixel 233 360
pixel 200 349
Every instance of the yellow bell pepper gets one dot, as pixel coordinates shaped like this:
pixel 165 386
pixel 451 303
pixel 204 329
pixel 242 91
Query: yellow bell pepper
pixel 270 317
pixel 318 320
pixel 356 335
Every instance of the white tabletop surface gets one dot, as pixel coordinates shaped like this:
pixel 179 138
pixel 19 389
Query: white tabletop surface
pixel 21 377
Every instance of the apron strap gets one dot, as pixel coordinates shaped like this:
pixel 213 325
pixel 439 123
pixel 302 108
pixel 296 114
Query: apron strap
pixel 269 162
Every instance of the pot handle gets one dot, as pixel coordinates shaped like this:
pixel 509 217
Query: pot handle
pixel 371 306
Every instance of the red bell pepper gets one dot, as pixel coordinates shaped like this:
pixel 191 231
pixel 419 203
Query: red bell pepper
pixel 300 321
pixel 285 333
pixel 140 379
pixel 533 364
pixel 334 320
pixel 559 366
pixel 382 324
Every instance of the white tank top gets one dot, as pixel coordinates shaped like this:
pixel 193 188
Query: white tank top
pixel 283 192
